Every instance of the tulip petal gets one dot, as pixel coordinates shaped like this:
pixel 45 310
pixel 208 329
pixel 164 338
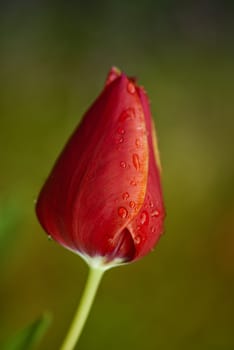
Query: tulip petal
pixel 147 226
pixel 98 184
pixel 112 75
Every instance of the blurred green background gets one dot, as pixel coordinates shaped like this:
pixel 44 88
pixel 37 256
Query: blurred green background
pixel 54 57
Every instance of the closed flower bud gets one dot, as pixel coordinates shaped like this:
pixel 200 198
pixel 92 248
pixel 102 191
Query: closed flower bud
pixel 103 198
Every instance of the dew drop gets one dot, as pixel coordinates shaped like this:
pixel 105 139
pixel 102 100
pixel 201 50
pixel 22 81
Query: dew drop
pixel 152 229
pixel 132 204
pixel 137 142
pixel 144 218
pixel 122 212
pixel 125 195
pixel 138 239
pixel 151 204
pixel 128 113
pixel 131 87
pixel 49 238
pixel 123 164
pixel 119 140
pixel 133 183
pixel 136 161
pixel 155 213
pixel 121 131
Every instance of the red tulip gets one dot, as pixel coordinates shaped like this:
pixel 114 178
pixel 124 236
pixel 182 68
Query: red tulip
pixel 103 198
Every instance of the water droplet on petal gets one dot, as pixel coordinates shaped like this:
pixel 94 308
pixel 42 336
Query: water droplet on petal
pixel 128 113
pixel 152 229
pixel 132 204
pixel 151 204
pixel 123 164
pixel 121 131
pixel 155 213
pixel 131 87
pixel 137 142
pixel 125 195
pixel 138 239
pixel 144 218
pixel 119 140
pixel 133 183
pixel 136 161
pixel 122 212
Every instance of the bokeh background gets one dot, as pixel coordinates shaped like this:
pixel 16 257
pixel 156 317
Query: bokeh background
pixel 54 57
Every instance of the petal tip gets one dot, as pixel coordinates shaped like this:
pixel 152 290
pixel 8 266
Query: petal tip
pixel 113 74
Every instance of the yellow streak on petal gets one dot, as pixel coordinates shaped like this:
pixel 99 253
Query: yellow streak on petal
pixel 155 147
pixel 112 75
pixel 142 168
pixel 116 70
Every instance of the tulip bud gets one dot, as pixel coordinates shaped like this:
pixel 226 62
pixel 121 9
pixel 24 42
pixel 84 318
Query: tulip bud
pixel 103 198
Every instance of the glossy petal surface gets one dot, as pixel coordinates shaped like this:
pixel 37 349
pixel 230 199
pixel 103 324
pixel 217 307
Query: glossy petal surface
pixel 98 183
pixel 103 197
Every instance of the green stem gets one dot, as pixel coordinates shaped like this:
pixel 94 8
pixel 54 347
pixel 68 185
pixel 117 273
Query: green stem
pixel 93 281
